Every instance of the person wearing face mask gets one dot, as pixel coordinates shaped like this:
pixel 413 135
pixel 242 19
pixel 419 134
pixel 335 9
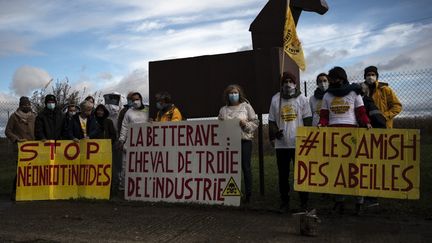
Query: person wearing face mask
pixel 49 122
pixel 383 96
pixel 167 111
pixel 342 106
pixel 20 128
pixel 83 124
pixel 238 107
pixel 138 113
pixel 123 112
pixel 289 109
pixel 315 101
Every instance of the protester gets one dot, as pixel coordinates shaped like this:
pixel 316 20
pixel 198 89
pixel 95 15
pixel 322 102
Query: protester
pixel 112 104
pixel 289 110
pixel 139 113
pixel 383 96
pixel 342 106
pixel 20 128
pixel 49 122
pixel 105 124
pixel 83 125
pixel 123 112
pixel 375 116
pixel 238 107
pixel 315 100
pixel 167 111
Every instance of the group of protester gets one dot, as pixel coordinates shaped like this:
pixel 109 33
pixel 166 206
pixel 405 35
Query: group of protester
pixel 336 103
pixel 87 122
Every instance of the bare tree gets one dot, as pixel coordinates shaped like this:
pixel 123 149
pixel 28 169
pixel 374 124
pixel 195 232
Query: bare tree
pixel 61 90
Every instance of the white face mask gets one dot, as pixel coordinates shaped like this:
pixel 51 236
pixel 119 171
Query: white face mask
pixel 72 113
pixel 323 86
pixel 136 104
pixel 370 79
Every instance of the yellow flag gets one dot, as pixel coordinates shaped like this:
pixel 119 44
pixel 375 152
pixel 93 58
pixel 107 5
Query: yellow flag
pixel 292 45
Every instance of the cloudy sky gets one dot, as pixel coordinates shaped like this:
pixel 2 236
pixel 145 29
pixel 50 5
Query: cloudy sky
pixel 106 45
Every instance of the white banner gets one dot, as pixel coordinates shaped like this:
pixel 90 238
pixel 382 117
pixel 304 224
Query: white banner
pixel 188 161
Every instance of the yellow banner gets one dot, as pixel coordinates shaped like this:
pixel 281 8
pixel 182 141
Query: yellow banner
pixel 292 44
pixel 64 169
pixel 358 161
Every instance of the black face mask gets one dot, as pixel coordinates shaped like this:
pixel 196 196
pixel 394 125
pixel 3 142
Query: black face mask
pixel 335 85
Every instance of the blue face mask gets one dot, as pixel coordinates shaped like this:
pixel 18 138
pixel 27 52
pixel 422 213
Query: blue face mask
pixel 234 97
pixel 50 106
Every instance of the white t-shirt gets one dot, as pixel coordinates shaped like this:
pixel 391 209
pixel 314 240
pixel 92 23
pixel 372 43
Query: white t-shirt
pixel 293 111
pixel 315 105
pixel 243 111
pixel 342 109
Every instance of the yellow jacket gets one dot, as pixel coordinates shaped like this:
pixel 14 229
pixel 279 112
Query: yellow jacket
pixel 387 102
pixel 173 114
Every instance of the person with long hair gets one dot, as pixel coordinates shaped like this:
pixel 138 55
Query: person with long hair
pixel 238 107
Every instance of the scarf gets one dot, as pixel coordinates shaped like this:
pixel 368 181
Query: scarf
pixel 319 93
pixel 23 116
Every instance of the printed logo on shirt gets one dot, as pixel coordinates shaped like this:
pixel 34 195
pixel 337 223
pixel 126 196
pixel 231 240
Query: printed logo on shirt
pixel 288 113
pixel 339 106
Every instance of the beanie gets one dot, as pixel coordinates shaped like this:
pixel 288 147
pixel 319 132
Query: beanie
pixel 24 100
pixel 50 97
pixel 338 72
pixel 371 69
pixel 288 75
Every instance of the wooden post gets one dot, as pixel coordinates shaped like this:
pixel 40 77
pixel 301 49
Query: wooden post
pixel 261 154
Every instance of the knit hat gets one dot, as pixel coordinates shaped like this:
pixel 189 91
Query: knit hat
pixel 288 75
pixel 371 69
pixel 50 97
pixel 338 72
pixel 24 100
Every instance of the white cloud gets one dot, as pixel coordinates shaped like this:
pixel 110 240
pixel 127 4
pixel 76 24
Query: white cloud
pixel 136 81
pixel 27 78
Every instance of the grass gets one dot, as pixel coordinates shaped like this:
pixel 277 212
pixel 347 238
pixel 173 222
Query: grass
pixel 270 199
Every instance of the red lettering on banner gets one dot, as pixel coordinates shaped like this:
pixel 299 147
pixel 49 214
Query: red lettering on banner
pixel 394 177
pixel 52 146
pixel 346 145
pixel 24 149
pixel 406 179
pixel 326 179
pixel 180 135
pixel 352 178
pixel 140 141
pixel 77 151
pixel 362 176
pixel 333 144
pixel 342 176
pixel 362 146
pixel 324 142
pixel 184 162
pixel 89 149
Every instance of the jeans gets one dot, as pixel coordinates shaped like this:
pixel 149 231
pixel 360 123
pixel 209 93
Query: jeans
pixel 284 157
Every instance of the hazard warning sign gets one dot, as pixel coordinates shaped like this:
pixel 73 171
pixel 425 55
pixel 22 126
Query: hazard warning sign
pixel 231 189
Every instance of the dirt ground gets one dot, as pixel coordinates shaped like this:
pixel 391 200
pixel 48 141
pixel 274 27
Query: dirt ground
pixel 122 221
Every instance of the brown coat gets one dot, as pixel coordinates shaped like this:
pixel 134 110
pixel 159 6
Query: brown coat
pixel 20 128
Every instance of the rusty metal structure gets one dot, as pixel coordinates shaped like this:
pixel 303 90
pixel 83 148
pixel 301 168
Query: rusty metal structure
pixel 196 84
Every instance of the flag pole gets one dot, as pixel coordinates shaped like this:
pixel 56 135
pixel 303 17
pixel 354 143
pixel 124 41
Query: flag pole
pixel 282 66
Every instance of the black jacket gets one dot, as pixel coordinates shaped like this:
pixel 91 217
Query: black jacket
pixel 49 124
pixel 105 125
pixel 74 128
